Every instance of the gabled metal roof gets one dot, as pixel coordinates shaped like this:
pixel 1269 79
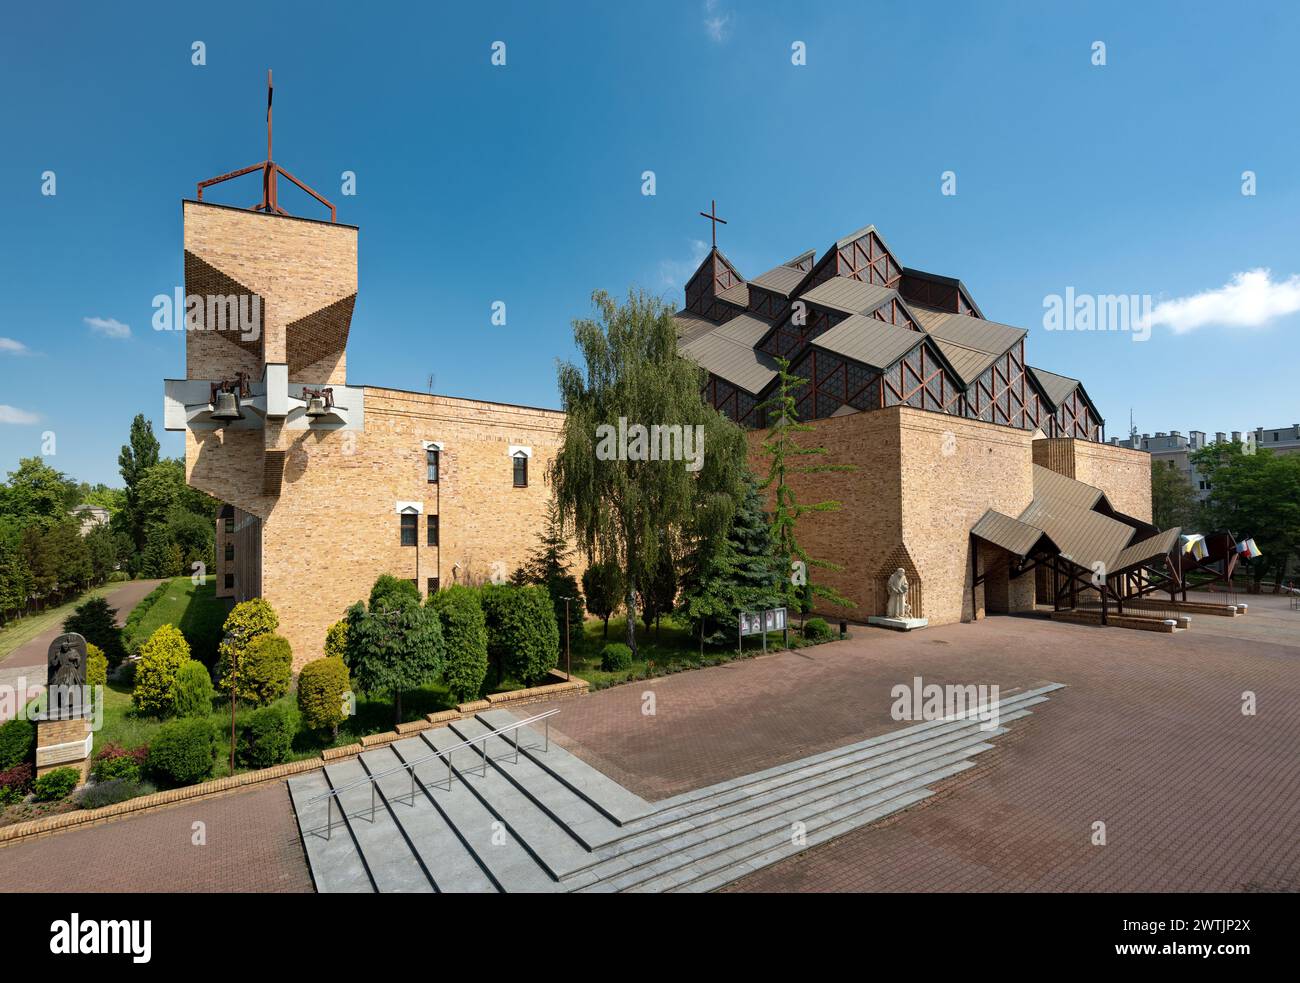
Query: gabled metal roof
pixel 728 352
pixel 690 326
pixel 780 280
pixel 1161 544
pixel 1057 489
pixel 1056 388
pixel 977 333
pixel 850 296
pixel 1011 534
pixel 737 293
pixel 968 363
pixel 870 341
pixel 1084 537
pixel 951 281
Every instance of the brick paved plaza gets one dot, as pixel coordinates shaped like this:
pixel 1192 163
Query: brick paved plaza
pixel 1148 736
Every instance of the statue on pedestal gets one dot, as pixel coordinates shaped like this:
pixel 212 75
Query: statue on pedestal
pixel 898 603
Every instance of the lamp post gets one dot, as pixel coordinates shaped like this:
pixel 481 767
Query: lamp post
pixel 568 661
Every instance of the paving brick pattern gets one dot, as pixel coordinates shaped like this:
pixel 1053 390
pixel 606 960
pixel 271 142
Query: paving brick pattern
pixel 1148 737
pixel 252 846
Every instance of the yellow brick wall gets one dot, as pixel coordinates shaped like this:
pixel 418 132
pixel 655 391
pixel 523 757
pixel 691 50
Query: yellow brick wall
pixel 1123 474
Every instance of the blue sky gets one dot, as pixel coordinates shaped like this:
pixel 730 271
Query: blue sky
pixel 523 183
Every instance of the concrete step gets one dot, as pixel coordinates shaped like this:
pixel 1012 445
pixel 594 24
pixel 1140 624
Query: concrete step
pixel 606 795
pixel 394 866
pixel 545 839
pixel 336 864
pixel 450 864
pixel 752 809
pixel 584 822
pixel 507 862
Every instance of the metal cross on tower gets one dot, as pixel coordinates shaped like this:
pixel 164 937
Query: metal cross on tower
pixel 712 216
pixel 270 172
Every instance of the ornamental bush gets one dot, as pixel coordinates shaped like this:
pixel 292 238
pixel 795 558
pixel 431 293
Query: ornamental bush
pixel 96 622
pixel 336 640
pixel 390 592
pixel 116 762
pixel 16 782
pixel 193 690
pixel 17 742
pixel 267 737
pixel 56 784
pixel 465 640
pixel 96 668
pixel 246 621
pixel 161 658
pixel 265 670
pixel 615 657
pixel 182 751
pixel 523 639
pixel 816 630
pixel 323 686
pixel 111 792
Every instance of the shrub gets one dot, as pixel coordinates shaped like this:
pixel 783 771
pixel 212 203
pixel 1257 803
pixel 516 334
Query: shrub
pixel 393 649
pixel 465 639
pixel 96 622
pixel 336 640
pixel 155 675
pixel 245 622
pixel 115 762
pixel 182 751
pixel 816 630
pixel 522 637
pixel 17 742
pixel 602 585
pixel 267 737
pixel 265 670
pixel 96 668
pixel 193 690
pixel 322 686
pixel 615 656
pixel 390 592
pixel 131 641
pixel 112 792
pixel 16 782
pixel 56 784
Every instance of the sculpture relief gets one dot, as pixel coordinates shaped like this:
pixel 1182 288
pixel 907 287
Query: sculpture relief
pixel 898 603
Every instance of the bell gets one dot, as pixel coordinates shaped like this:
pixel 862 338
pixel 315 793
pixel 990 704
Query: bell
pixel 227 407
pixel 316 407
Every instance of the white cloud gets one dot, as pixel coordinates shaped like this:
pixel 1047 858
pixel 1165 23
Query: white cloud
pixel 675 272
pixel 108 327
pixel 12 414
pixel 1251 300
pixel 717 22
pixel 8 346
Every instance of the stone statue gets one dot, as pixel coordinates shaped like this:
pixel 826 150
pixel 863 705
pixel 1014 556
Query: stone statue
pixel 67 660
pixel 898 604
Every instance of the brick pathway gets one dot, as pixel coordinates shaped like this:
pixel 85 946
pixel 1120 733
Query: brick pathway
pixel 251 845
pixel 1148 737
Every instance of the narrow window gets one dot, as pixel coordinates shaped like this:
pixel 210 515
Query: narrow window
pixel 230 526
pixel 230 552
pixel 433 531
pixel 410 525
pixel 521 470
pixel 433 586
pixel 230 581
pixel 432 459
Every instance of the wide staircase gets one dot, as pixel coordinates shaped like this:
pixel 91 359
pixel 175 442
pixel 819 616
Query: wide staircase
pixel 492 804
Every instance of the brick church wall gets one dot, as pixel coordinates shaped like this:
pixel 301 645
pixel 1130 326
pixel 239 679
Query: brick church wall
pixel 1123 474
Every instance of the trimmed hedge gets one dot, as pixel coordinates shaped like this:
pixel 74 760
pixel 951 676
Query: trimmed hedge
pixel 817 630
pixel 465 638
pixel 17 742
pixel 265 670
pixel 323 685
pixel 246 621
pixel 131 643
pixel 96 668
pixel 115 762
pixel 193 690
pixel 112 792
pixel 523 639
pixel 183 751
pixel 56 784
pixel 161 659
pixel 336 640
pixel 267 737
pixel 615 657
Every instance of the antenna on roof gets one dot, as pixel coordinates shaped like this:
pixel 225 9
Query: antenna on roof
pixel 270 171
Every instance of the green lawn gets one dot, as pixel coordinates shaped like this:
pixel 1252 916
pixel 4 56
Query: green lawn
pixel 24 629
pixel 196 611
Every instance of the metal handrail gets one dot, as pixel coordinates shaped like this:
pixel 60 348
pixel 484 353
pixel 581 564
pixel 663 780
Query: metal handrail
pixel 373 777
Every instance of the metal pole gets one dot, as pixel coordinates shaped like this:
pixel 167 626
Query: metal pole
pixel 329 817
pixel 548 734
pixel 568 661
pixel 372 801
pixel 234 668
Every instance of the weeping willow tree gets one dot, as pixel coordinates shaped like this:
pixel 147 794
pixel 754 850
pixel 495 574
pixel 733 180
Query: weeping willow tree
pixel 643 458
